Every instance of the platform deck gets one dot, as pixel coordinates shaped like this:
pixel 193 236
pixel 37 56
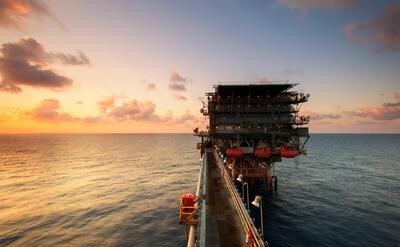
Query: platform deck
pixel 223 227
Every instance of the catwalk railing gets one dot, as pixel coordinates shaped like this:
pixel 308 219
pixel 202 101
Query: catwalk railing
pixel 247 223
pixel 245 220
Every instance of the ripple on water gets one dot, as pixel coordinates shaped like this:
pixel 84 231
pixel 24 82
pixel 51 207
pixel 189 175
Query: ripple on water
pixel 122 190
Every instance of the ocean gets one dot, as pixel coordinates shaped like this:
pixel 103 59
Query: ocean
pixel 123 190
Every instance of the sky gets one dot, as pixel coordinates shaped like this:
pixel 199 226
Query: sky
pixel 99 66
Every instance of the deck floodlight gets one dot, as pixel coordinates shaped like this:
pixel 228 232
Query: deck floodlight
pixel 240 178
pixel 256 201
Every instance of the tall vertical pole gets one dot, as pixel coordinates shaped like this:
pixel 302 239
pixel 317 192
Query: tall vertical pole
pixel 262 220
pixel 233 168
pixel 248 200
pixel 242 190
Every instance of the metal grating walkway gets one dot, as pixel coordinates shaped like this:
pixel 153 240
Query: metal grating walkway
pixel 223 227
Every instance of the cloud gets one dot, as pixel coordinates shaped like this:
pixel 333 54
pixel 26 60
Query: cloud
pixel 13 13
pixel 177 87
pixel 293 72
pixel 134 110
pixel 263 80
pixel 397 96
pixel 305 5
pixel 187 117
pixel 176 81
pixel 143 111
pixel 174 76
pixel 107 103
pixel 129 112
pixel 179 97
pixel 25 63
pixel 151 86
pixel 387 111
pixel 323 116
pixel 69 59
pixel 383 31
pixel 49 110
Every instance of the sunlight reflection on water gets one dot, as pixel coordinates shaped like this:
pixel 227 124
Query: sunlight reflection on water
pixel 123 190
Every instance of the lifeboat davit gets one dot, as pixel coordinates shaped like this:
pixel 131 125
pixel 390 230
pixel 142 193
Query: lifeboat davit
pixel 289 153
pixel 234 152
pixel 262 152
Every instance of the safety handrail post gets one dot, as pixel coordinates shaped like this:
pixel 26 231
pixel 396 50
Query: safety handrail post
pixel 200 184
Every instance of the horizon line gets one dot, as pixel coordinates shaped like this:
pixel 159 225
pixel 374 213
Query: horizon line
pixel 130 133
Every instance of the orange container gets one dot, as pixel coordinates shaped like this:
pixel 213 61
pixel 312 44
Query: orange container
pixel 234 152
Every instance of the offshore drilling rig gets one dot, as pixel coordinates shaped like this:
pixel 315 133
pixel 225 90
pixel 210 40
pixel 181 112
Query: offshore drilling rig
pixel 251 127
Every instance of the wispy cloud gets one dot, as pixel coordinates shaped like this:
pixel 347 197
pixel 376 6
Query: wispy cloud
pixel 108 102
pixel 264 80
pixel 25 63
pixel 387 111
pixel 306 5
pixel 134 110
pixel 49 110
pixel 179 97
pixel 176 81
pixel 293 72
pixel 323 116
pixel 383 31
pixel 139 111
pixel 177 87
pixel 174 76
pixel 314 116
pixel 68 59
pixel 397 96
pixel 151 86
pixel 13 13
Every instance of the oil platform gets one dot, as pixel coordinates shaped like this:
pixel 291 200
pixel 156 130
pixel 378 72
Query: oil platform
pixel 250 128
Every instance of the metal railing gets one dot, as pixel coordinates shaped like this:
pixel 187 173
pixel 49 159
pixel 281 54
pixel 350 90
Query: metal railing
pixel 201 184
pixel 245 219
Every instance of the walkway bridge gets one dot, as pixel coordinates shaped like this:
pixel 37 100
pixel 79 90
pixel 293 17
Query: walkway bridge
pixel 224 219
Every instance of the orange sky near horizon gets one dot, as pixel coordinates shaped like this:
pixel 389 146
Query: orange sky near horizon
pixel 143 66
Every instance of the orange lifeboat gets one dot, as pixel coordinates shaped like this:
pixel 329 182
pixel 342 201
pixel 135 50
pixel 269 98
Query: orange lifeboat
pixel 288 153
pixel 186 208
pixel 234 152
pixel 262 152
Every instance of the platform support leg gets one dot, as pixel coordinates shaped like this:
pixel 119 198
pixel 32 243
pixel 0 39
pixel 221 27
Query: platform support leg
pixel 275 183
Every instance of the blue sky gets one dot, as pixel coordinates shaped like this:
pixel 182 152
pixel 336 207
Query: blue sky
pixel 134 43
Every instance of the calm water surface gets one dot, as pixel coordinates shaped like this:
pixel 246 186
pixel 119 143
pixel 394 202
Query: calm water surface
pixel 122 190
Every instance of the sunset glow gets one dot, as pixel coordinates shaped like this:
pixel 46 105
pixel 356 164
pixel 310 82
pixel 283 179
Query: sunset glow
pixel 144 66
